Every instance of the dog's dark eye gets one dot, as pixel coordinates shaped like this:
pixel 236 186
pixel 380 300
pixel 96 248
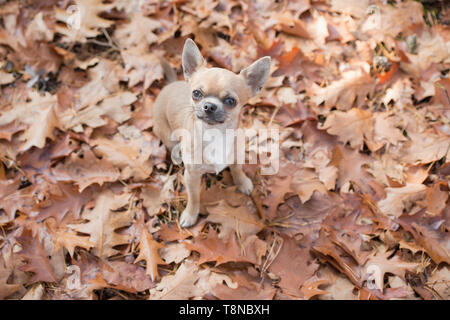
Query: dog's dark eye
pixel 197 94
pixel 229 101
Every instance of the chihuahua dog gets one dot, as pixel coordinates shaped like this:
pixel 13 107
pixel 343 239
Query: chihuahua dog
pixel 210 98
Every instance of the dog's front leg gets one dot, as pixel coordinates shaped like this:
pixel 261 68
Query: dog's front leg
pixel 240 179
pixel 192 179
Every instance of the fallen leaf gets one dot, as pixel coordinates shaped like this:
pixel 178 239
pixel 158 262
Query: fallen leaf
pixel 293 266
pixel 36 258
pixel 181 285
pixel 113 107
pixel 380 264
pixel 84 168
pixel 5 288
pixel 311 287
pixel 6 78
pixel 40 117
pixel 87 15
pixel 67 239
pixel 241 220
pixel 129 150
pixel 138 32
pixel 211 248
pixel 103 221
pixel 349 91
pixel 247 288
pixel 148 251
pixel 399 199
pixel 174 252
pixel 428 232
pixel 440 283
pixel 353 126
pixel 141 66
pixel 427 147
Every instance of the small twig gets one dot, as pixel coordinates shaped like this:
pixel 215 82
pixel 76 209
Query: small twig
pixel 104 44
pixel 110 40
pixel 119 293
pixel 270 259
pixel 273 116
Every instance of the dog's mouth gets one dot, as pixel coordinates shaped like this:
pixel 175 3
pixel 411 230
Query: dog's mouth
pixel 207 119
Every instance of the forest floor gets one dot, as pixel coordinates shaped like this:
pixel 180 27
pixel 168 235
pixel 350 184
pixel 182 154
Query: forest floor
pixel 90 201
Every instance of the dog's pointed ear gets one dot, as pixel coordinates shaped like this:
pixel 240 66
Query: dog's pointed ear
pixel 256 74
pixel 192 58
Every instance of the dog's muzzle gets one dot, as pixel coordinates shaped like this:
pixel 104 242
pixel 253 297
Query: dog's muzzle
pixel 210 113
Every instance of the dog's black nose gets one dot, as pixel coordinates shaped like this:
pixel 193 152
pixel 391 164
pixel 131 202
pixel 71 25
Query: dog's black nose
pixel 209 107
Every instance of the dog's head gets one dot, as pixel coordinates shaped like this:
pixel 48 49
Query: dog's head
pixel 219 94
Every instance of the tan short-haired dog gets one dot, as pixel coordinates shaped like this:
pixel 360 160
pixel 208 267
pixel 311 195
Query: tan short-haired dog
pixel 209 99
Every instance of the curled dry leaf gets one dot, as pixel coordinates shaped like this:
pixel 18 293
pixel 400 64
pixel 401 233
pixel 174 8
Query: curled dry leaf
pixel 38 30
pixel 352 171
pixel 275 195
pixel 336 256
pixel 173 232
pixel 386 130
pixel 155 195
pixel 436 199
pixel 217 192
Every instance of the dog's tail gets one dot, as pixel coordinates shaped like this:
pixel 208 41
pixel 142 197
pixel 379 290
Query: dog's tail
pixel 169 72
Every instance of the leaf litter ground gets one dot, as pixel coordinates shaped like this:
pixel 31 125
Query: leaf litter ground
pixel 90 201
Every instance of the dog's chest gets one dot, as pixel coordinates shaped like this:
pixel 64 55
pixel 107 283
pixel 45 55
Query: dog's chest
pixel 212 150
pixel 217 157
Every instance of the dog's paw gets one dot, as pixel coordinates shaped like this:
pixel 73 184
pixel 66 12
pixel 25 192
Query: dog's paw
pixel 245 185
pixel 188 219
